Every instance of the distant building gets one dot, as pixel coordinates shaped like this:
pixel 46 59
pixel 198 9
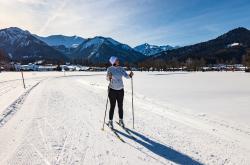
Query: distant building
pixel 97 69
pixel 29 67
pixel 34 67
pixel 47 67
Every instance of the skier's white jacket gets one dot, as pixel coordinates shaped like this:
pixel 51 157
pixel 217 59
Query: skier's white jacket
pixel 117 74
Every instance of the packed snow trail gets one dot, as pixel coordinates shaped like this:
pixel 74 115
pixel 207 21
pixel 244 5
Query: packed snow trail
pixel 60 122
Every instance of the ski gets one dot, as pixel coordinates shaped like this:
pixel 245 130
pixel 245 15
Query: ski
pixel 116 134
pixel 126 130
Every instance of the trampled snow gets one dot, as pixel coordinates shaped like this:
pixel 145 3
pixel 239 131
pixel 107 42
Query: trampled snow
pixel 180 118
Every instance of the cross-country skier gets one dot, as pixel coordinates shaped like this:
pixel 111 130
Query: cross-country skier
pixel 116 91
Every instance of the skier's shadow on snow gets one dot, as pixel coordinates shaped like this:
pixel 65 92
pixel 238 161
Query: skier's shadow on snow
pixel 161 150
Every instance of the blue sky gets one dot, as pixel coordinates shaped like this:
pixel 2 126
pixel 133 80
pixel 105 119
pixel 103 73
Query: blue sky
pixel 160 22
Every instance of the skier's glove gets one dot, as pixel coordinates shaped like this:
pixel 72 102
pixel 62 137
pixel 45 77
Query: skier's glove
pixel 110 77
pixel 131 74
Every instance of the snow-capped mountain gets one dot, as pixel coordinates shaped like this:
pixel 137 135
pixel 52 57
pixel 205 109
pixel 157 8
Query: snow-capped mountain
pixel 150 50
pixel 99 49
pixel 230 47
pixel 17 37
pixel 25 47
pixel 65 50
pixel 21 45
pixel 58 40
pixel 62 43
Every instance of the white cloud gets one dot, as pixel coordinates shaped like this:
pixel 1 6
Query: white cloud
pixel 33 1
pixel 53 16
pixel 88 18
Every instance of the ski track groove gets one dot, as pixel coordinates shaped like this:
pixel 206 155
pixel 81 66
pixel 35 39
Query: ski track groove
pixel 66 144
pixel 43 136
pixel 40 154
pixel 7 88
pixel 62 150
pixel 15 106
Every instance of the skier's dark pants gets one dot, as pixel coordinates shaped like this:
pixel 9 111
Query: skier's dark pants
pixel 116 95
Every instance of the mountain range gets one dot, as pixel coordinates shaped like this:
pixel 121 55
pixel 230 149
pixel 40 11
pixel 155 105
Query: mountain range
pixel 58 40
pixel 227 48
pixel 150 50
pixel 22 46
pixel 99 49
pixel 64 44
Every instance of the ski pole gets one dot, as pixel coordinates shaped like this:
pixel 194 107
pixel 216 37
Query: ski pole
pixel 106 108
pixel 133 102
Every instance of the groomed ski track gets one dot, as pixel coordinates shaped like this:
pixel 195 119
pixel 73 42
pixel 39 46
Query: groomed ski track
pixel 60 121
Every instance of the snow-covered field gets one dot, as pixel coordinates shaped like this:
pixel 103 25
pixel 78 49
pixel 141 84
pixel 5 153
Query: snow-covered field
pixel 180 118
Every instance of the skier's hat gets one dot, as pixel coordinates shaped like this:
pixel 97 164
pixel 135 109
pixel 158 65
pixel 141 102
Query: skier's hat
pixel 113 59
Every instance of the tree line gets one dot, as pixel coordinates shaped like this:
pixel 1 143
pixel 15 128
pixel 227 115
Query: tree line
pixel 189 64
